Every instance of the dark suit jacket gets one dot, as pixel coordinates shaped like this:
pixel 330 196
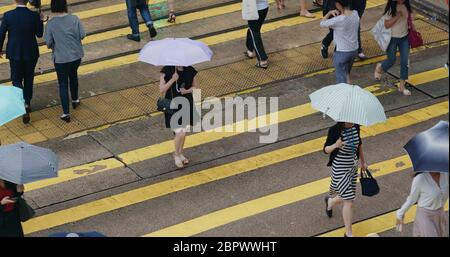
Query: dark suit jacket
pixel 22 26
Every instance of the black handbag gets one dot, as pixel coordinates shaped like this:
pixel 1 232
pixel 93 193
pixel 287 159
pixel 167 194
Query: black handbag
pixel 369 185
pixel 25 210
pixel 163 104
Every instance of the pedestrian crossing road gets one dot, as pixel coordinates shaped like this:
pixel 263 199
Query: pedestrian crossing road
pixel 116 157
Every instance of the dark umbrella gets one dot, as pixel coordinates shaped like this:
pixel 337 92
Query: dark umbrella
pixel 23 163
pixel 84 234
pixel 428 150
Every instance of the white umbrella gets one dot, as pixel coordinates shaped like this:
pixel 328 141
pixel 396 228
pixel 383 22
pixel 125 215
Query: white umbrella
pixel 348 103
pixel 175 52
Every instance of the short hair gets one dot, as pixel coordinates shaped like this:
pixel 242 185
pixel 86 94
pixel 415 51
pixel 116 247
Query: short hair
pixel 58 6
pixel 23 2
pixel 344 3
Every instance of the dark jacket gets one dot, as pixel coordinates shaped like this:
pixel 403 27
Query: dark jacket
pixel 328 5
pixel 22 26
pixel 359 6
pixel 334 133
pixel 10 225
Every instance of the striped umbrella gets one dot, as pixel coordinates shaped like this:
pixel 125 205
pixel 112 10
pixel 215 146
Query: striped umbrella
pixel 348 103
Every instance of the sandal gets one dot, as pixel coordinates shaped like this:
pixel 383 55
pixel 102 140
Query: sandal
pixel 249 54
pixel 262 66
pixel 405 92
pixel 172 17
pixel 316 3
pixel 184 159
pixel 378 75
pixel 307 15
pixel 178 161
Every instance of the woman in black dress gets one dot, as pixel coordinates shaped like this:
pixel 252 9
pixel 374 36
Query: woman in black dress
pixel 10 225
pixel 179 82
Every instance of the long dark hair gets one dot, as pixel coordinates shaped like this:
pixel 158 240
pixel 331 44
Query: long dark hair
pixel 391 7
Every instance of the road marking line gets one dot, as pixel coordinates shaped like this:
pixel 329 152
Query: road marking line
pixel 77 172
pixel 166 147
pixel 269 202
pixel 108 10
pixel 378 224
pixel 212 40
pixel 182 19
pixel 10 7
pixel 146 193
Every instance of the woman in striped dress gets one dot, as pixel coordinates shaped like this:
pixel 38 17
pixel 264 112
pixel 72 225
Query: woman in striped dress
pixel 345 148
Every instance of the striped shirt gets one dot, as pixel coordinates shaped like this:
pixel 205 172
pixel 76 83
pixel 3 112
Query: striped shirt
pixel 345 31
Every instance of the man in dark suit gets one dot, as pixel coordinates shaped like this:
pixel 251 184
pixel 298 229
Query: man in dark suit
pixel 22 26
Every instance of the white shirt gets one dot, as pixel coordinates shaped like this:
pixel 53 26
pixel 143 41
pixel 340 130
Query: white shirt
pixel 426 193
pixel 262 4
pixel 345 31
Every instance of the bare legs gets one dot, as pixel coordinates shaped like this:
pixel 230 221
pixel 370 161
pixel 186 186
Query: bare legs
pixel 347 212
pixel 172 16
pixel 180 138
pixel 304 11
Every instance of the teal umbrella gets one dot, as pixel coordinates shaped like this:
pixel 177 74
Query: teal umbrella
pixel 11 103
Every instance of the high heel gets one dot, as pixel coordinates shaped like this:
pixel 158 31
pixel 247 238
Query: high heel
pixel 75 103
pixel 65 117
pixel 377 75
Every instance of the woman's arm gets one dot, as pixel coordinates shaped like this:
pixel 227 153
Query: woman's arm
pixel 48 37
pixel 412 198
pixel 81 30
pixel 163 86
pixel 326 22
pixel 391 22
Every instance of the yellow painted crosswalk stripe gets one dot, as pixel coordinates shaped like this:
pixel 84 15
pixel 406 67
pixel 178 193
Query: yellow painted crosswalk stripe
pixel 268 202
pixel 166 147
pixel 108 9
pixel 289 114
pixel 146 193
pixel 377 224
pixel 212 40
pixel 116 33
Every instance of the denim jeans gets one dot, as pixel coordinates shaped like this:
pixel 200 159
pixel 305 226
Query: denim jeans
pixel 403 45
pixel 343 63
pixel 67 74
pixel 133 19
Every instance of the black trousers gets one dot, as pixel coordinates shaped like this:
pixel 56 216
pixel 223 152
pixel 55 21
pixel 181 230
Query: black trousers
pixel 67 78
pixel 254 39
pixel 22 76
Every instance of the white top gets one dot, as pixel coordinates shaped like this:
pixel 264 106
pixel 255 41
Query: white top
pixel 345 33
pixel 400 28
pixel 262 4
pixel 426 193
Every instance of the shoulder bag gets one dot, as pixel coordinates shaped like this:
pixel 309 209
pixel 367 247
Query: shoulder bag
pixel 414 37
pixel 369 186
pixel 381 34
pixel 25 210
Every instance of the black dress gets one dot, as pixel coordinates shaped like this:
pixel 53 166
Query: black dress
pixel 10 225
pixel 185 80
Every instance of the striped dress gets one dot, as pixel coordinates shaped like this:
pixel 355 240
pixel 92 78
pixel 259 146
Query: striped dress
pixel 344 167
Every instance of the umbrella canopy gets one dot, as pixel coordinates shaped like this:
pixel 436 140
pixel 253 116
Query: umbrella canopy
pixel 22 163
pixel 175 52
pixel 348 103
pixel 428 150
pixel 84 234
pixel 11 103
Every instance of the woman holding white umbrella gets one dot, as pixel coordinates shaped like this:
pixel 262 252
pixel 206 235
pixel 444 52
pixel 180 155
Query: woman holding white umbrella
pixel 350 106
pixel 177 83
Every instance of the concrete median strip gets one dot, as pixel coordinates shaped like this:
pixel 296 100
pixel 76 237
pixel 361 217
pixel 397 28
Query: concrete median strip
pixel 153 151
pixel 139 195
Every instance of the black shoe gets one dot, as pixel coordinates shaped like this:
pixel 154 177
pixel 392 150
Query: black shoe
pixel 75 104
pixel 328 212
pixel 65 118
pixel 324 52
pixel 134 38
pixel 152 31
pixel 26 118
pixel 345 235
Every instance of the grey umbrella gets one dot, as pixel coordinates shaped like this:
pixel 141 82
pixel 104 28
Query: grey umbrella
pixel 23 163
pixel 429 150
